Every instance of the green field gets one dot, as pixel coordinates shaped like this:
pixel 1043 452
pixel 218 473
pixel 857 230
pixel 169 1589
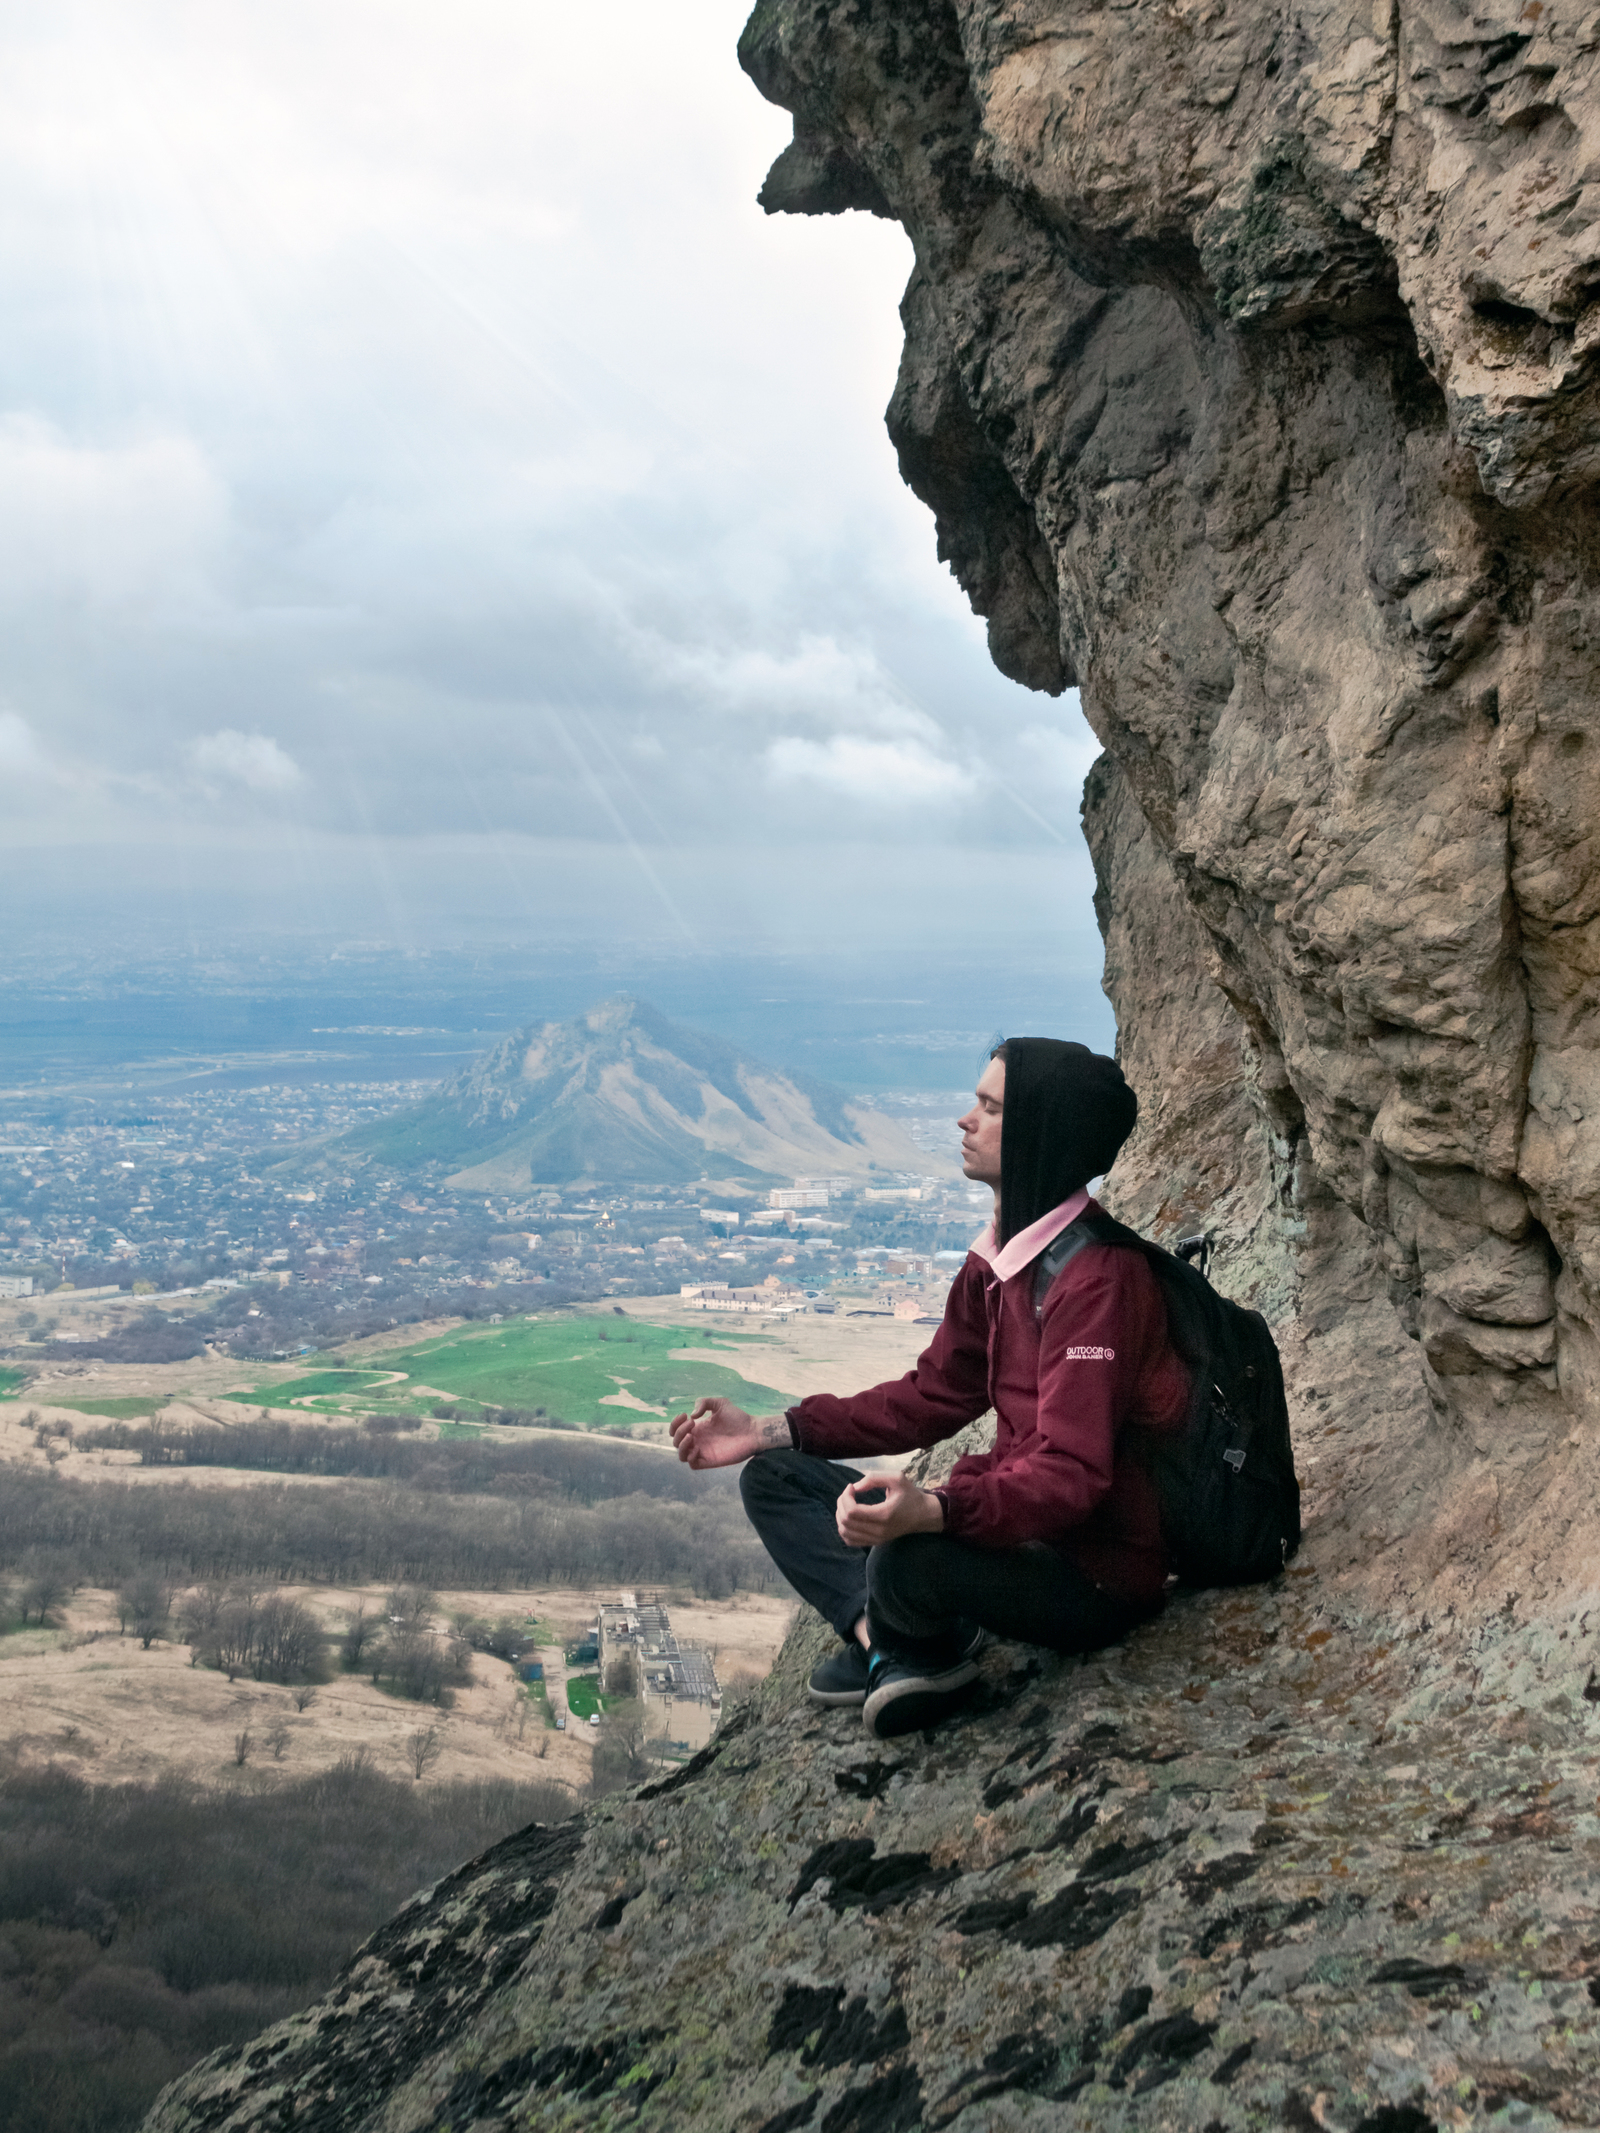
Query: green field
pixel 11 1381
pixel 583 1695
pixel 572 1367
pixel 321 1385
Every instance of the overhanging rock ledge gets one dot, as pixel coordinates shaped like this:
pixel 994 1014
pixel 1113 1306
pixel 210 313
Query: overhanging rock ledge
pixel 1252 375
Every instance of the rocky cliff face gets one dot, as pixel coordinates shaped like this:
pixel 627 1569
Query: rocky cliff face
pixel 1250 375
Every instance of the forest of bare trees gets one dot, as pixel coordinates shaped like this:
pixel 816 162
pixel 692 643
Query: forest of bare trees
pixel 57 1533
pixel 588 1469
pixel 133 1943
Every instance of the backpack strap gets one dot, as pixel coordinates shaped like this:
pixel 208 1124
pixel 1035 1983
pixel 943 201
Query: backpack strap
pixel 1055 1256
pixel 1190 1249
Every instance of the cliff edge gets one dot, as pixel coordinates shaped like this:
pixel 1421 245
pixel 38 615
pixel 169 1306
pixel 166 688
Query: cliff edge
pixel 1253 1869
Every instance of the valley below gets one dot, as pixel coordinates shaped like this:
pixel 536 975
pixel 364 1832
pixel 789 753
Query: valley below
pixel 79 1689
pixel 309 1800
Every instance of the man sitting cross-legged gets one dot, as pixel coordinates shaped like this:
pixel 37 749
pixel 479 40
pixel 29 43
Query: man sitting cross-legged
pixel 1054 1536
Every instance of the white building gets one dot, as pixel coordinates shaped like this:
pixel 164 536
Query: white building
pixel 678 1679
pixel 779 1300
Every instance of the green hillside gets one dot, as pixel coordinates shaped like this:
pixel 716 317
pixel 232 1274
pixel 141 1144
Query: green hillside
pixel 584 1137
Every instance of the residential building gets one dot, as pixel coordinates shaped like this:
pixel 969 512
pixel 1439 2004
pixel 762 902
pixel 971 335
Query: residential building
pixel 677 1677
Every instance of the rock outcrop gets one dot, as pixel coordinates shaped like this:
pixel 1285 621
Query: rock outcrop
pixel 1246 1872
pixel 1251 376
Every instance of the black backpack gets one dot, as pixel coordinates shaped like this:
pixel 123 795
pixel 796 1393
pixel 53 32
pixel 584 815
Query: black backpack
pixel 1230 1499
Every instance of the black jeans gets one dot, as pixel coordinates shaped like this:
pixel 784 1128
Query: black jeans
pixel 915 1590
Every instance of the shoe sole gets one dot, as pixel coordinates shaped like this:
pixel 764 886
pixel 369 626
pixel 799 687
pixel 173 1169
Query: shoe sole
pixel 838 1699
pixel 908 1706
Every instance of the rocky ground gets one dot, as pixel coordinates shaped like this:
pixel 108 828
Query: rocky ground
pixel 1256 1868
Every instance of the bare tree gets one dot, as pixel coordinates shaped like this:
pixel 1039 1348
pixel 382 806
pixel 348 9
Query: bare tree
pixel 623 1677
pixel 304 1697
pixel 423 1749
pixel 242 1744
pixel 153 1442
pixel 360 1630
pixel 145 1604
pixel 278 1738
pixel 45 1585
pixel 235 1635
pixel 620 1754
pixel 410 1603
pixel 288 1639
pixel 198 1615
pixel 423 1665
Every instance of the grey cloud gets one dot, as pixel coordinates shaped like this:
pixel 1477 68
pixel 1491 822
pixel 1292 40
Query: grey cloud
pixel 448 490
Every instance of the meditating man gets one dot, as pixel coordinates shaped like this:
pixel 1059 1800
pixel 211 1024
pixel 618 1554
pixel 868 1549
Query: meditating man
pixel 1054 1536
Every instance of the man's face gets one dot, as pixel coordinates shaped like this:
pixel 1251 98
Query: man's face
pixel 980 1127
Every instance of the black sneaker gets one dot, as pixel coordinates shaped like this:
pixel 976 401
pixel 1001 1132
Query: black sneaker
pixel 903 1696
pixel 843 1678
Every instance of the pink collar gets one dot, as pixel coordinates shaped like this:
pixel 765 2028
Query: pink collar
pixel 1028 1243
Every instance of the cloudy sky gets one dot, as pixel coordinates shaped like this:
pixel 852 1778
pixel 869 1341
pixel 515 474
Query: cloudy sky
pixel 433 495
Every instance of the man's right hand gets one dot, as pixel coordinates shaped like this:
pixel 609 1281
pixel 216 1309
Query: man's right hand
pixel 716 1433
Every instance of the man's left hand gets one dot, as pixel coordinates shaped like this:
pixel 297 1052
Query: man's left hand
pixel 905 1509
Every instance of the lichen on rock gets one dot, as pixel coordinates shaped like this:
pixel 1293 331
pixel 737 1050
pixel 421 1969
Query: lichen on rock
pixel 1248 1869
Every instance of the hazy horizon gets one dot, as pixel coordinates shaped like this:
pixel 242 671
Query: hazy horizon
pixel 355 1012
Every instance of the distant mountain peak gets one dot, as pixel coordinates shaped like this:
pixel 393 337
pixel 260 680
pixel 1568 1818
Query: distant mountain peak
pixel 621 1092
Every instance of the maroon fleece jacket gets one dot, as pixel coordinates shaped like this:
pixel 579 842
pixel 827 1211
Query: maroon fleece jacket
pixel 1067 1388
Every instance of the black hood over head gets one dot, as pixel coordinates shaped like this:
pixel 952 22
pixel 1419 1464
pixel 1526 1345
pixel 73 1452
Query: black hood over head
pixel 1067 1112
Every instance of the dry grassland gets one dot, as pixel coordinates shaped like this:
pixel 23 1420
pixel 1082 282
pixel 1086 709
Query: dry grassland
pixel 89 1697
